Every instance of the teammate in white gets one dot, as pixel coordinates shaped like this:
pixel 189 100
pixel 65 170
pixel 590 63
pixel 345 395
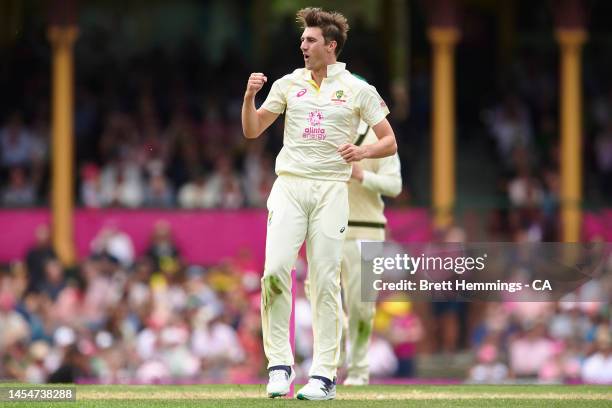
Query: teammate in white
pixel 370 179
pixel 323 105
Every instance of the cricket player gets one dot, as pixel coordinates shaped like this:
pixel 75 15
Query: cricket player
pixel 370 180
pixel 323 105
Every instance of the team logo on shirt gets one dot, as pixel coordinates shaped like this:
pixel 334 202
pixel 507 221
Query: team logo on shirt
pixel 339 100
pixel 315 131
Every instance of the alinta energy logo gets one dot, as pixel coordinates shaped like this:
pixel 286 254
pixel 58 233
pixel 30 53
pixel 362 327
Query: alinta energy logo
pixel 315 131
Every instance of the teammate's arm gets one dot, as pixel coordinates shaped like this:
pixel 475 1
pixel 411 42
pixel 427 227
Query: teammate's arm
pixel 255 121
pixel 387 180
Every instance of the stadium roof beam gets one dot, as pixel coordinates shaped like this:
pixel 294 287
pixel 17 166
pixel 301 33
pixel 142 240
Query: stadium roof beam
pixel 62 34
pixel 570 25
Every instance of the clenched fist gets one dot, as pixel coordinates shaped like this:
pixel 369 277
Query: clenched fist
pixel 255 83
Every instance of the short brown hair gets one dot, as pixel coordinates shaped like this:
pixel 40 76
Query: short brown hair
pixel 333 24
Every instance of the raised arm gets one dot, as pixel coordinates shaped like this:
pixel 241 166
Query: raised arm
pixel 255 121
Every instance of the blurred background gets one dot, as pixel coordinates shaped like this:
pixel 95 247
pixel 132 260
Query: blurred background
pixel 133 210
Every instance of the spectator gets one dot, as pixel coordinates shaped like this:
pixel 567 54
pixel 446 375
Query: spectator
pixel 97 295
pixel 158 192
pixel 36 372
pixel 403 330
pixel 223 187
pixel 20 192
pixel 216 342
pixel 121 184
pixel 162 249
pixel 184 157
pixel 54 280
pixel 91 186
pixel 562 365
pixel 114 243
pixel 597 368
pixel 40 148
pixel 488 370
pixel 193 194
pixel 381 358
pixel 258 174
pixel 510 126
pixel 258 181
pixel 37 256
pixel 525 190
pixel 16 146
pixel 74 365
pixel 529 352
pixel 603 156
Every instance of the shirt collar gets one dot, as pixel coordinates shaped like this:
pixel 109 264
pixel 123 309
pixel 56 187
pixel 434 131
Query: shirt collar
pixel 335 69
pixel 332 70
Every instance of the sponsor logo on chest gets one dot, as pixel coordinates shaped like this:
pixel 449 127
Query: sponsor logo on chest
pixel 315 131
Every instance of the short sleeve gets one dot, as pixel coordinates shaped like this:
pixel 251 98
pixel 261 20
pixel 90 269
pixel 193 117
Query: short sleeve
pixel 372 107
pixel 276 102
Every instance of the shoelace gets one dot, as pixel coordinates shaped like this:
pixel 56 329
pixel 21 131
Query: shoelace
pixel 278 375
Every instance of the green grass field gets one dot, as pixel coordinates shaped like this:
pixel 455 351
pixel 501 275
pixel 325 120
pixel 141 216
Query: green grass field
pixel 253 396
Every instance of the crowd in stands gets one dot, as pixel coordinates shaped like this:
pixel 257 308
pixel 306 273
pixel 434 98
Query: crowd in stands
pixel 158 127
pixel 566 341
pixel 523 124
pixel 187 164
pixel 121 318
pixel 163 131
pixel 124 317
pixel 118 317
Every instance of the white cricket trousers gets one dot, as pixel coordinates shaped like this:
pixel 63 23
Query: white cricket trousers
pixel 360 313
pixel 315 211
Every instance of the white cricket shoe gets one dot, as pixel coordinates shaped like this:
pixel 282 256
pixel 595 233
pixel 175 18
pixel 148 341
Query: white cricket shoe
pixel 279 382
pixel 317 390
pixel 356 381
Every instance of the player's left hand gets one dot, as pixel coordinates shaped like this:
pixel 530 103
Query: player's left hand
pixel 352 153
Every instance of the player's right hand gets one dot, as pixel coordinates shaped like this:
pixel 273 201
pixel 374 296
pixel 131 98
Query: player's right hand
pixel 255 83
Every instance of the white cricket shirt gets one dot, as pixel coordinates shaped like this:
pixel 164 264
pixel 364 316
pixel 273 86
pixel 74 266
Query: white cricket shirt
pixel 319 120
pixel 380 177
